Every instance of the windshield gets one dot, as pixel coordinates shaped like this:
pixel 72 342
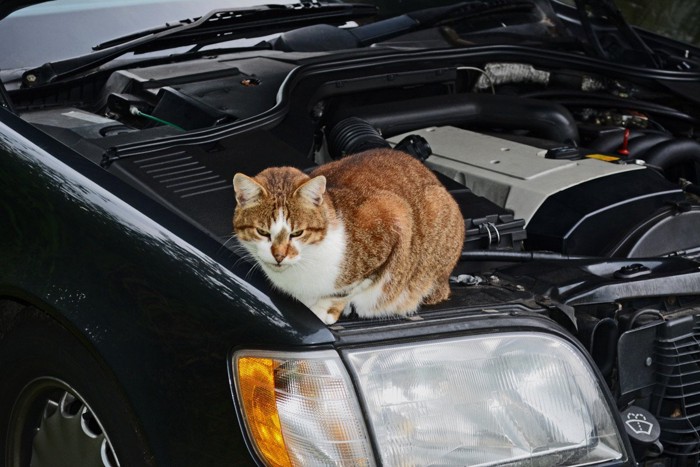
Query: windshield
pixel 62 29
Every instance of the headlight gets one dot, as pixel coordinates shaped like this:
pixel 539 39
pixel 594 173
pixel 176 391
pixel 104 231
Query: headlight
pixel 487 400
pixel 525 399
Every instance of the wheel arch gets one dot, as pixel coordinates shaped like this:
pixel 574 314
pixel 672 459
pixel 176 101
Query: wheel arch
pixel 19 312
pixel 14 303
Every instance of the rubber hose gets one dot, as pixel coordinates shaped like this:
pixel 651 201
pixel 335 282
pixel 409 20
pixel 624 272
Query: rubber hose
pixel 639 141
pixel 544 119
pixel 672 153
pixel 353 135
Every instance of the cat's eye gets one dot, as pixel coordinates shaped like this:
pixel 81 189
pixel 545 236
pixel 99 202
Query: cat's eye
pixel 263 233
pixel 296 233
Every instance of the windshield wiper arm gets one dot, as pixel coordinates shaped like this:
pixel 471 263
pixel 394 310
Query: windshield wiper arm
pixel 216 26
pixel 140 34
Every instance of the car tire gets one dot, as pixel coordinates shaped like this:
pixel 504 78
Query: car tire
pixel 59 405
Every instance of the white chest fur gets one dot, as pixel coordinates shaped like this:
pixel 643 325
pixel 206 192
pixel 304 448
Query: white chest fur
pixel 316 272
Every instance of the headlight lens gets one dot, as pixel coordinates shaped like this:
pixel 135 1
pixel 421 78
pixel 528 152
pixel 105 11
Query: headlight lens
pixel 503 399
pixel 300 409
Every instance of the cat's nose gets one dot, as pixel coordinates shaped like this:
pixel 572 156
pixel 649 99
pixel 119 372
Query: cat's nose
pixel 279 257
pixel 279 250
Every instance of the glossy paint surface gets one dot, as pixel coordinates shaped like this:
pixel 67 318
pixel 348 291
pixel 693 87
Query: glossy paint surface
pixel 125 277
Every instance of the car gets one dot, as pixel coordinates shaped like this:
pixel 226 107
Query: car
pixel 134 331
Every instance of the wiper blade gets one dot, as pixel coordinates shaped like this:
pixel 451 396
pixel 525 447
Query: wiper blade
pixel 216 26
pixel 138 35
pixel 244 20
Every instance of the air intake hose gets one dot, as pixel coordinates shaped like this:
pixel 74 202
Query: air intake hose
pixel 544 119
pixel 668 154
pixel 353 135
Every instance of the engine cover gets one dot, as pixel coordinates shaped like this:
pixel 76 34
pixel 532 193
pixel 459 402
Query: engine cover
pixel 513 175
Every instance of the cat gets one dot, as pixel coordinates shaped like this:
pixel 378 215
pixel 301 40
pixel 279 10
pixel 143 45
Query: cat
pixel 375 230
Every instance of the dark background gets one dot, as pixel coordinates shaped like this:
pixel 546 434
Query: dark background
pixel 679 19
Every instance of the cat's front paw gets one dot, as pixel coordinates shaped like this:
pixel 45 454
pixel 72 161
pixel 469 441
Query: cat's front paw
pixel 328 310
pixel 330 318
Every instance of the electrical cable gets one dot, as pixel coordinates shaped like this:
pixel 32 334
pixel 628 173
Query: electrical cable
pixel 134 111
pixel 484 73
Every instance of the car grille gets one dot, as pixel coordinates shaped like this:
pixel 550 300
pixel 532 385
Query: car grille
pixel 676 396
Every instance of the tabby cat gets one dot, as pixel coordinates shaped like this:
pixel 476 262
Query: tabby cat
pixel 375 230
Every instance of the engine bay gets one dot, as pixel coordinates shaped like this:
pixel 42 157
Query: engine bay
pixel 571 162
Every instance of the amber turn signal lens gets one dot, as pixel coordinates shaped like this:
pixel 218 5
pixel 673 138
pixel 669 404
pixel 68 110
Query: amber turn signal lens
pixel 300 409
pixel 256 377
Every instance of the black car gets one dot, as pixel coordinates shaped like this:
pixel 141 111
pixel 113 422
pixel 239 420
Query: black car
pixel 132 331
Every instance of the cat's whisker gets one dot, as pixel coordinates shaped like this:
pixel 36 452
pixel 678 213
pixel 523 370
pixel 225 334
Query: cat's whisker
pixel 234 245
pixel 241 251
pixel 242 259
pixel 245 256
pixel 253 267
pixel 229 238
pixel 225 245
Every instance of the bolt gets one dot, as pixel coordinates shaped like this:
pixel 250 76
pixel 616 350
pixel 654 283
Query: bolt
pixel 648 361
pixel 30 78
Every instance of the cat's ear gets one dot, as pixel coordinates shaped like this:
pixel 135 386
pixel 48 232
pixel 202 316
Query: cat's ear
pixel 248 191
pixel 313 190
